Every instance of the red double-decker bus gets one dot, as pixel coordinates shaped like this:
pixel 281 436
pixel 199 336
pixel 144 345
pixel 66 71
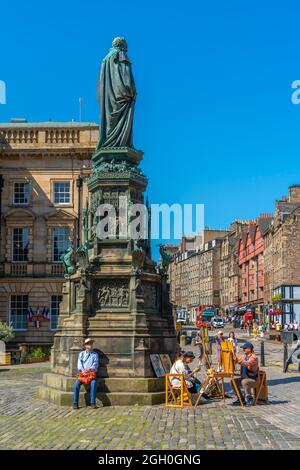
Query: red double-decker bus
pixel 204 316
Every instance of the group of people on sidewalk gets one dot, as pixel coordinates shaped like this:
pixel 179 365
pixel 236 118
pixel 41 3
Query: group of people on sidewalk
pixel 88 362
pixel 248 362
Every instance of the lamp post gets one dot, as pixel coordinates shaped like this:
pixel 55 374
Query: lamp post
pixel 79 182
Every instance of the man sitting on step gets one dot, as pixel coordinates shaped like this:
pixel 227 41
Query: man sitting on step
pixel 88 361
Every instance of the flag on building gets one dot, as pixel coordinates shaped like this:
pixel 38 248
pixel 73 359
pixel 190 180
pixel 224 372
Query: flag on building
pixel 30 314
pixel 46 313
pixel 38 318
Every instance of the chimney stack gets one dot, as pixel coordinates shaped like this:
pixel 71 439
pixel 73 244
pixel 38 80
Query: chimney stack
pixel 294 193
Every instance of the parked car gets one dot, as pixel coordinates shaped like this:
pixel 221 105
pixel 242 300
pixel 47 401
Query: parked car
pixel 217 322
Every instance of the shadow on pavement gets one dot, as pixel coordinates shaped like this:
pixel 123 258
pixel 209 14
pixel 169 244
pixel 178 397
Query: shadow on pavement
pixel 284 380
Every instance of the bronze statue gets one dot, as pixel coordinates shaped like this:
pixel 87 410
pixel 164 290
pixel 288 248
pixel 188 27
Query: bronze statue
pixel 116 94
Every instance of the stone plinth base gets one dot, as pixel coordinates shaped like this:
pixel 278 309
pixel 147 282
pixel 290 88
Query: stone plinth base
pixel 58 389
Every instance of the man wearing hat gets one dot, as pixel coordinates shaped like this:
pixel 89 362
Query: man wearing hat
pixel 249 372
pixel 88 361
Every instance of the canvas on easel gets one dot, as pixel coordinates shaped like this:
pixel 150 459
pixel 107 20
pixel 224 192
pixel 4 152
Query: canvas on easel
pixel 228 359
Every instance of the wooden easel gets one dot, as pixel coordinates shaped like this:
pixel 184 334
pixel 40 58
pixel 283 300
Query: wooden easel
pixel 210 381
pixel 205 341
pixel 228 363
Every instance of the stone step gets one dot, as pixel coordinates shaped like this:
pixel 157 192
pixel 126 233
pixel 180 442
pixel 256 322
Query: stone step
pixel 108 385
pixel 63 398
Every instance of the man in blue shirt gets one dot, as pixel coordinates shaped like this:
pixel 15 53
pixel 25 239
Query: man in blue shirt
pixel 88 360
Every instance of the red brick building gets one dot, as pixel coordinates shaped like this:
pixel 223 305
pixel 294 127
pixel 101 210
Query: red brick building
pixel 251 262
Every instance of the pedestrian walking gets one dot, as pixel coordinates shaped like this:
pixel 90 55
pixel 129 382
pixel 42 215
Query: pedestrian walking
pixel 219 339
pixel 232 339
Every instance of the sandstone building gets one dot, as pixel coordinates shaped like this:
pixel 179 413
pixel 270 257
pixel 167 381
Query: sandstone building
pixel 282 253
pixel 251 262
pixel 44 167
pixel 194 272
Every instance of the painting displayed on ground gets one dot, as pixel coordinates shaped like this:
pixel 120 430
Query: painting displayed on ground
pixel 157 365
pixel 166 362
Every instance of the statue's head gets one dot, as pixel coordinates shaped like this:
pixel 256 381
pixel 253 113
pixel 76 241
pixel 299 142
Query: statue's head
pixel 120 43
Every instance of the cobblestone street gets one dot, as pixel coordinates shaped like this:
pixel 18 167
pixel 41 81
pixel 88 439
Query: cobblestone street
pixel 28 423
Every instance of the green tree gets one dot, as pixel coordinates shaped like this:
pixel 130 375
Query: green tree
pixel 6 332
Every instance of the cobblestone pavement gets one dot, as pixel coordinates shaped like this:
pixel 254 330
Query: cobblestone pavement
pixel 28 423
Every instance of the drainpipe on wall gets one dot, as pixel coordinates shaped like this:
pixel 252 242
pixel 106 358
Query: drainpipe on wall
pixel 79 182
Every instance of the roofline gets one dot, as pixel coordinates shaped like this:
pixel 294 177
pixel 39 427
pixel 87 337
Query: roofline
pixel 45 124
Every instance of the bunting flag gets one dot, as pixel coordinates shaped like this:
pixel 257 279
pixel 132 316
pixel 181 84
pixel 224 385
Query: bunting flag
pixel 30 314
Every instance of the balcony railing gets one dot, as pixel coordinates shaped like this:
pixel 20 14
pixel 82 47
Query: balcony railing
pixel 18 269
pixel 57 270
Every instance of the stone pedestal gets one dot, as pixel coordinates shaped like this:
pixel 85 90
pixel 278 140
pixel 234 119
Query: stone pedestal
pixel 118 297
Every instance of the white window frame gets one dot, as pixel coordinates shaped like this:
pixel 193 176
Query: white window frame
pixel 54 183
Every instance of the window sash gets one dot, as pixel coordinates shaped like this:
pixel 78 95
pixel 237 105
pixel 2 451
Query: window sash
pixel 60 242
pixel 20 244
pixel 18 312
pixel 55 301
pixel 21 193
pixel 61 192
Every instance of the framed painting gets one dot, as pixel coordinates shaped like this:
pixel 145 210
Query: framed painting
pixel 157 365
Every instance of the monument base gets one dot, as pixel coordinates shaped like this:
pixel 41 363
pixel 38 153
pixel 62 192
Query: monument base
pixel 58 389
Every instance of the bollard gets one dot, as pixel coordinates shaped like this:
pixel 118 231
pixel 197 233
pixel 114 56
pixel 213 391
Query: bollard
pixel 285 356
pixel 262 353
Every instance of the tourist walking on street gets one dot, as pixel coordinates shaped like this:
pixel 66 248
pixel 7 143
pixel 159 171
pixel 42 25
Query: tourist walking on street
pixel 233 340
pixel 250 327
pixel 199 343
pixel 249 373
pixel 88 362
pixel 219 339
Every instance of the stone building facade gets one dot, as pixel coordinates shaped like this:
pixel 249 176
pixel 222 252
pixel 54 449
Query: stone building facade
pixel 194 271
pixel 44 167
pixel 229 268
pixel 251 262
pixel 282 253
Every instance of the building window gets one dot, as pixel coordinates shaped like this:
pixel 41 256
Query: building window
pixel 61 190
pixel 18 311
pixel 61 242
pixel 20 244
pixel 21 193
pixel 55 301
pixel 296 292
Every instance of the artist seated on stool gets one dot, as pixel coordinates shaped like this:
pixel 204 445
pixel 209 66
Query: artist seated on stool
pixel 88 360
pixel 249 373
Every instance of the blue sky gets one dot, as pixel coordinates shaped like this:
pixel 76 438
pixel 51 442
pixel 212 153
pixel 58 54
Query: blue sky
pixel 214 113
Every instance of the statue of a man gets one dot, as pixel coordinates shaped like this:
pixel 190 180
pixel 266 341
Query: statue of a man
pixel 116 94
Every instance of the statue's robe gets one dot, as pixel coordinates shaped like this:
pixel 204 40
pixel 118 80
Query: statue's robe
pixel 116 93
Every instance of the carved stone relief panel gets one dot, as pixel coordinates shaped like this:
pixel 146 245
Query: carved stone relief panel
pixel 111 293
